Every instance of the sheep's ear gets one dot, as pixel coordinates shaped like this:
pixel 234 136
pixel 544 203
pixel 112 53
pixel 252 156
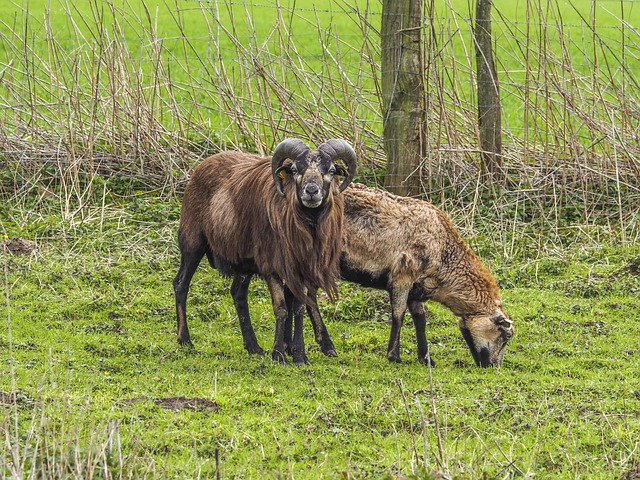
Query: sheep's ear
pixel 502 321
pixel 283 171
pixel 279 174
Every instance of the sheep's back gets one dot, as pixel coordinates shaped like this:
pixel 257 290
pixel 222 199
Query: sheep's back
pixel 225 201
pixel 381 227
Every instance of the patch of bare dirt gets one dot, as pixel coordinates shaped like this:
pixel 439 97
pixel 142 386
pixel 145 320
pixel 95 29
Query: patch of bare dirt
pixel 633 474
pixel 18 246
pixel 176 404
pixel 19 398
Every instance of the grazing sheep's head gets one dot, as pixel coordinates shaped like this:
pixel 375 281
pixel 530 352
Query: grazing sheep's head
pixel 487 335
pixel 313 171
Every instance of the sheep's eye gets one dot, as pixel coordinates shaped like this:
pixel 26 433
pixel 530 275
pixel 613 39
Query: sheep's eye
pixel 332 171
pixel 294 170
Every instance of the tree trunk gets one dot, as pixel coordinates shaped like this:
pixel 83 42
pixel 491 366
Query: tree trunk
pixel 404 117
pixel 489 120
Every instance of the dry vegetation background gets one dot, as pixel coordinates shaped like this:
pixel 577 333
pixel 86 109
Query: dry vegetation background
pixel 144 89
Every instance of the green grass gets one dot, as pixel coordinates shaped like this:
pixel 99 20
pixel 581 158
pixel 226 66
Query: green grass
pixel 195 64
pixel 92 345
pixel 171 57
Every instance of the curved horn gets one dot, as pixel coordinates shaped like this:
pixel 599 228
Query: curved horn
pixel 289 148
pixel 340 149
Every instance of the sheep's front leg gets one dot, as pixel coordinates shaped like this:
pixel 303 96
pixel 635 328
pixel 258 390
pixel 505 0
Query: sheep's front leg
pixel 189 261
pixel 419 315
pixel 399 297
pixel 279 302
pixel 319 329
pixel 240 292
pixel 288 331
pixel 296 346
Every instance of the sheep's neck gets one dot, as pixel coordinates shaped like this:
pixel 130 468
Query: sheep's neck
pixel 468 287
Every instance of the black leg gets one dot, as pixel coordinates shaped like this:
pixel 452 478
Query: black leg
pixel 288 330
pixel 240 292
pixel 398 297
pixel 189 261
pixel 295 307
pixel 419 315
pixel 320 330
pixel 280 311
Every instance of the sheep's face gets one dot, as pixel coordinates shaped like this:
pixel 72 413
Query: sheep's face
pixel 313 176
pixel 487 336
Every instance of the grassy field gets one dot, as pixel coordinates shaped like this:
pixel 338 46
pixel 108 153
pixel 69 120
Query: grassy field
pixel 195 65
pixel 95 385
pixel 238 71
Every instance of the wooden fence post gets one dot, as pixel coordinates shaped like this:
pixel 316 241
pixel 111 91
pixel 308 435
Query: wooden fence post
pixel 489 116
pixel 403 95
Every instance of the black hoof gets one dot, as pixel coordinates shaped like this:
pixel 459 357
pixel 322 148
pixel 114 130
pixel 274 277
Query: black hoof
pixel 186 342
pixel 394 359
pixel 427 361
pixel 301 360
pixel 328 349
pixel 255 351
pixel 279 357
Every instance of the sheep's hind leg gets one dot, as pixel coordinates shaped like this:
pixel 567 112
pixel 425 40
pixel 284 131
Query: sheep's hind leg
pixel 296 346
pixel 189 261
pixel 277 290
pixel 288 331
pixel 419 315
pixel 399 297
pixel 240 292
pixel 320 330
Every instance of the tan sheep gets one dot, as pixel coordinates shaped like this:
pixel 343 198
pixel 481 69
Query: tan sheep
pixel 412 250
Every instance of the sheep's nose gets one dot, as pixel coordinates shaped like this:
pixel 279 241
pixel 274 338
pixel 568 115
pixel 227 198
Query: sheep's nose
pixel 311 189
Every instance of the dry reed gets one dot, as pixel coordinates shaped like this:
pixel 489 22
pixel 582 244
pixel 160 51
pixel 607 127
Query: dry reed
pixel 110 95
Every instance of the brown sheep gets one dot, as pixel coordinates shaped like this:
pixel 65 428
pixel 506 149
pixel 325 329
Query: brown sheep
pixel 279 217
pixel 411 249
